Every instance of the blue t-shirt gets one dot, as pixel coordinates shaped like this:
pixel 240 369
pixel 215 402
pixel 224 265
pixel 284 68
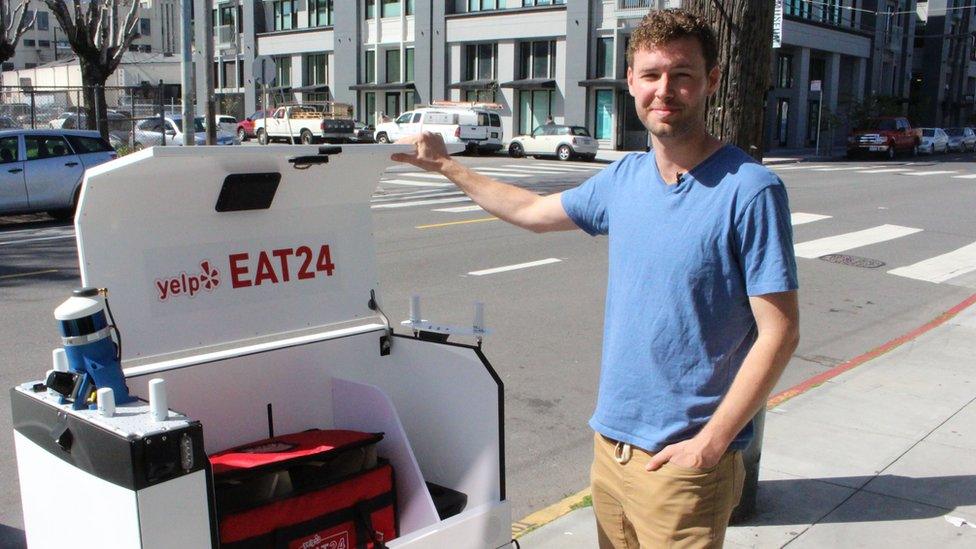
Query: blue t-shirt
pixel 684 259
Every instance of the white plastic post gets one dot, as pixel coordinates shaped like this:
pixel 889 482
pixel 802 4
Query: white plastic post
pixel 157 399
pixel 106 401
pixel 479 317
pixel 415 308
pixel 60 360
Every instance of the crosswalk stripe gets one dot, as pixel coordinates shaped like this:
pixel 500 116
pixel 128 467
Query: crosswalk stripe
pixel 419 203
pixel 413 196
pixel 514 267
pixel 798 167
pixel 496 173
pixel 422 175
pixel 934 172
pixel 415 183
pixel 837 169
pixel 848 241
pixel 968 176
pixel 459 209
pixel 943 267
pixel 886 170
pixel 800 218
pixel 547 168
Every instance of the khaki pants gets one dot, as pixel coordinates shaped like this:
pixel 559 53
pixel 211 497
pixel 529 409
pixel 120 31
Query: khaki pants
pixel 671 507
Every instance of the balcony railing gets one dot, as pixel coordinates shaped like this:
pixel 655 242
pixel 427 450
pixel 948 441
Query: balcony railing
pixel 634 4
pixel 227 36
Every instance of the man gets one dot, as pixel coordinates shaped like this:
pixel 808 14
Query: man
pixel 701 310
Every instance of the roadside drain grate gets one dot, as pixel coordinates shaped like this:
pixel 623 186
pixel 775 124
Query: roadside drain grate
pixel 853 261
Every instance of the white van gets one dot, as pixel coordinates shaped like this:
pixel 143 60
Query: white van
pixel 474 125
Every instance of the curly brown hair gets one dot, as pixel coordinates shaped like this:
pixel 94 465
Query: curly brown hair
pixel 663 26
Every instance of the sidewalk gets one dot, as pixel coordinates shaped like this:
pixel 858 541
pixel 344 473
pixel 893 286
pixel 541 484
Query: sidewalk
pixel 775 156
pixel 882 455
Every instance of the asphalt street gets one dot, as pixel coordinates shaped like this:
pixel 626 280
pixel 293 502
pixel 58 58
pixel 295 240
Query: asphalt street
pixel 882 247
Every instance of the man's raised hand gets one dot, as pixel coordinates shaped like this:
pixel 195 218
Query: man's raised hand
pixel 431 153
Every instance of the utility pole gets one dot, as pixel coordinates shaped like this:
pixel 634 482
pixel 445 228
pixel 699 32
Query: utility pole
pixel 186 82
pixel 209 115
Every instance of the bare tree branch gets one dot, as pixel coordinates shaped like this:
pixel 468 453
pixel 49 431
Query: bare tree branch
pixel 13 25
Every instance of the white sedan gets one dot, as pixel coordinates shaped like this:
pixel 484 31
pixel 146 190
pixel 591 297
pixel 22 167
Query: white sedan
pixel 934 140
pixel 565 142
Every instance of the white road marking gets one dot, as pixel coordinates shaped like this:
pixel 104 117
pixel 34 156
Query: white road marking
pixel 412 196
pixel 415 183
pixel 886 170
pixel 420 203
pixel 800 218
pixel 460 209
pixel 494 172
pixel 798 167
pixel 838 169
pixel 515 267
pixel 848 241
pixel 422 175
pixel 935 172
pixel 29 240
pixel 537 167
pixel 969 176
pixel 943 267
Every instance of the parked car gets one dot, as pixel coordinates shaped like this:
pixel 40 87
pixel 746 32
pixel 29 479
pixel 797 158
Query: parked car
pixel 361 133
pixel 961 139
pixel 150 132
pixel 245 128
pixel 41 170
pixel 934 140
pixel 119 126
pixel 888 135
pixel 565 142
pixel 471 124
pixel 226 123
pixel 7 123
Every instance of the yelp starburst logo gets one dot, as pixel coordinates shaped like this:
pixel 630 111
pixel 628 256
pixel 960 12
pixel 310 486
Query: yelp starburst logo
pixel 208 279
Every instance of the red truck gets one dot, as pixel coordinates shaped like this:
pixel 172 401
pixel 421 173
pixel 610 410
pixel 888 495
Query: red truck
pixel 888 135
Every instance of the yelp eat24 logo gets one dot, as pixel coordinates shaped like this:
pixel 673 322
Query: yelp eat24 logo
pixel 277 266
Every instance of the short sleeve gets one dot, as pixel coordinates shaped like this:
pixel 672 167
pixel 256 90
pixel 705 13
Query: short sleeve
pixel 765 243
pixel 587 205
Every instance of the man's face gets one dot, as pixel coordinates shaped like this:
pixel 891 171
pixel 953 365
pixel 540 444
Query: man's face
pixel 670 86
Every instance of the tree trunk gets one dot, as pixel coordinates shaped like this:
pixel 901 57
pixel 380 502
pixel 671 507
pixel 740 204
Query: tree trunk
pixel 744 29
pixel 93 80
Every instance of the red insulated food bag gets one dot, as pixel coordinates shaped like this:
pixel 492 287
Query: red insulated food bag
pixel 316 489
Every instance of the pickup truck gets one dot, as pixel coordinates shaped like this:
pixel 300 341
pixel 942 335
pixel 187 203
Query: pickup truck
pixel 888 135
pixel 307 124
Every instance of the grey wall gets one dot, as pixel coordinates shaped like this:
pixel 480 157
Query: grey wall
pixel 576 60
pixel 347 45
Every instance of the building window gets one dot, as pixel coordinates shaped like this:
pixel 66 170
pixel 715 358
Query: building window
pixel 368 115
pixel 27 66
pixel 8 66
pixel 604 58
pixel 44 43
pixel 390 8
pixel 145 48
pixel 29 43
pixel 369 67
pixel 319 13
pixel 479 61
pixel 285 15
pixel 409 7
pixel 603 125
pixel 408 65
pixel 370 9
pixel 393 65
pixel 145 27
pixel 542 2
pixel 784 71
pixel 410 100
pixel 535 106
pixel 392 104
pixel 480 96
pixel 483 5
pixel 282 71
pixel 229 74
pixel 537 59
pixel 42 21
pixel 316 74
pixel 227 18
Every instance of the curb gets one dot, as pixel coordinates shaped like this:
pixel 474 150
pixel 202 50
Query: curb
pixel 571 503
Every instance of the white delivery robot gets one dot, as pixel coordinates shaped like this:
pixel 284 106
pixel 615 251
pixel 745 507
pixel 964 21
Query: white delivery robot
pixel 245 279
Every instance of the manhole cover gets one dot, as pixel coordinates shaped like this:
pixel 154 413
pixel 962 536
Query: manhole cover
pixel 853 261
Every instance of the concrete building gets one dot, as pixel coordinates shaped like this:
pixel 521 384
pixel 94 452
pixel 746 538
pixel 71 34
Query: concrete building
pixel 45 41
pixel 944 80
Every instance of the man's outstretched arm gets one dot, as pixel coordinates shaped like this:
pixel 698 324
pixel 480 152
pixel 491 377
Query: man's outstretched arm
pixel 777 320
pixel 507 202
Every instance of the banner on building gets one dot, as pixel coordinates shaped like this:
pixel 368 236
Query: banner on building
pixel 778 24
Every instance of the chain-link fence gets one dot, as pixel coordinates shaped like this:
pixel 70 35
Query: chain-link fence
pixel 39 107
